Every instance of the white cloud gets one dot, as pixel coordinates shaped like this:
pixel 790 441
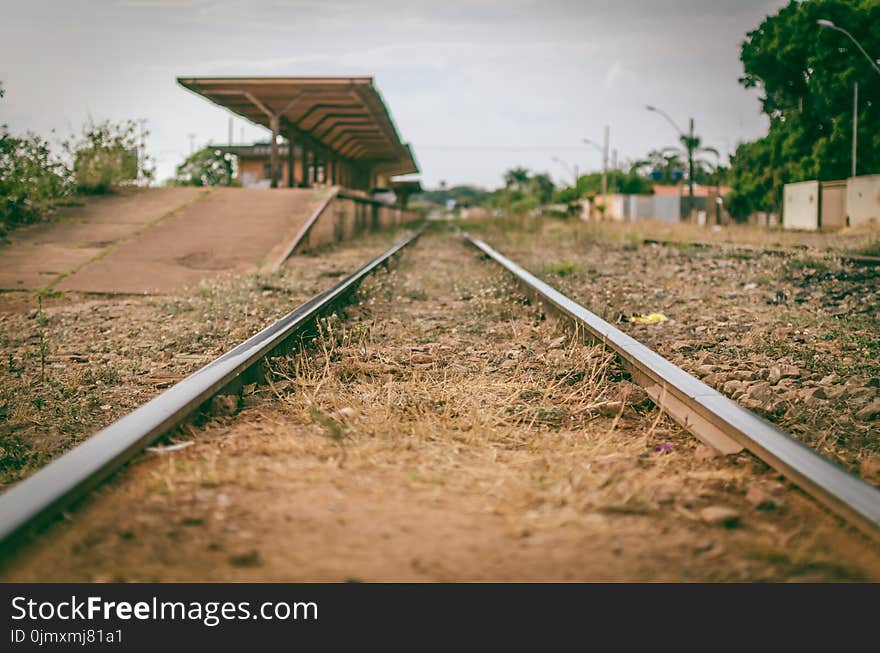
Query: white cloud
pixel 613 73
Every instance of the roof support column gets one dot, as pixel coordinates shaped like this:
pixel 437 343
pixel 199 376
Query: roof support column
pixel 304 182
pixel 290 179
pixel 273 151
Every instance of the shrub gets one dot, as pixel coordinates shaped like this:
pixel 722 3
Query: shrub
pixel 31 179
pixel 107 157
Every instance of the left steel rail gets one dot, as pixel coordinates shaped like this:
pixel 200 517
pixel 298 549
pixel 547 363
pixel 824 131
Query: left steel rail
pixel 40 497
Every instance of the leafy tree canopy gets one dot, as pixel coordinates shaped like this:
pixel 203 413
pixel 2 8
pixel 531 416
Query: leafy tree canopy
pixel 463 195
pixel 627 183
pixel 207 167
pixel 806 74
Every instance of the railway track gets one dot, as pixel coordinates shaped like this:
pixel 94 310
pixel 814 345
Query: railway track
pixel 717 421
pixel 710 416
pixel 43 495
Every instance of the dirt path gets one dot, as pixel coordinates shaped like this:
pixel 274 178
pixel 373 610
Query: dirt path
pixel 445 431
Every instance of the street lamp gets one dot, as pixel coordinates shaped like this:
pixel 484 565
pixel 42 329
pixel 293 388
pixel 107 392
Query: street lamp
pixel 689 143
pixel 827 23
pixel 855 138
pixel 604 152
pixel 569 170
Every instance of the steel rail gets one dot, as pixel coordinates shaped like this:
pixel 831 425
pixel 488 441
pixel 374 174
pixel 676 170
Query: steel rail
pixel 709 414
pixel 40 497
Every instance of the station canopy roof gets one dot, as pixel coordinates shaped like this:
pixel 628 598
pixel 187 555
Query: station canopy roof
pixel 343 114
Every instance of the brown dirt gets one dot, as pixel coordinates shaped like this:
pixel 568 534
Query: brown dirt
pixel 444 431
pixel 796 339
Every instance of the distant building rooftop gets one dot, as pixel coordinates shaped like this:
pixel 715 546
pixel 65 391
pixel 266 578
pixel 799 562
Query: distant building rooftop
pixel 682 189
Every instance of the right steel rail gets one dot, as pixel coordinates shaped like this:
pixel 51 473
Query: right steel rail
pixel 711 416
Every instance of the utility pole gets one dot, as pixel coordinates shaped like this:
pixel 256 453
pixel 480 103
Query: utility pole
pixel 690 143
pixel 605 163
pixel 690 146
pixel 855 126
pixel 614 186
pixel 230 130
pixel 192 143
pixel 142 150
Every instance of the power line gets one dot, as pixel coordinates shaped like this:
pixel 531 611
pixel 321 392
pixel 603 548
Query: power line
pixel 504 148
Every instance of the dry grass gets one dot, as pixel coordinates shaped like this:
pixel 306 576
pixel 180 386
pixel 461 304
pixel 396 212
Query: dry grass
pixel 443 429
pixel 79 362
pixel 734 316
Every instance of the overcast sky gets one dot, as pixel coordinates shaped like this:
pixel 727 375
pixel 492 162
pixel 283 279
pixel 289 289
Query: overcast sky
pixel 476 86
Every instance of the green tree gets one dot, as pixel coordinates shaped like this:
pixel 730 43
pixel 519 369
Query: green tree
pixel 207 167
pixel 806 75
pixel 522 191
pixel 668 163
pixel 542 187
pixel 627 183
pixel 463 195
pixel 516 178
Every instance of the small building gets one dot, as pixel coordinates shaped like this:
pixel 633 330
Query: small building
pixel 403 189
pixel 812 205
pixel 863 199
pixel 801 205
pixel 666 204
pixel 254 168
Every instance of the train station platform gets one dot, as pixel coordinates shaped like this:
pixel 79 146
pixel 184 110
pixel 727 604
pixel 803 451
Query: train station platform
pixel 156 240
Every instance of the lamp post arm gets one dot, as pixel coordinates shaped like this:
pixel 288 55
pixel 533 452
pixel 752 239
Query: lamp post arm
pixel 594 145
pixel 859 46
pixel 668 119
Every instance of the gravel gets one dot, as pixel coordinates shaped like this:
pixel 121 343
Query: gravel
pixel 795 339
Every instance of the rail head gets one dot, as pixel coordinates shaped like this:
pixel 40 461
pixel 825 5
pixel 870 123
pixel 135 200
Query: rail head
pixel 35 500
pixel 844 493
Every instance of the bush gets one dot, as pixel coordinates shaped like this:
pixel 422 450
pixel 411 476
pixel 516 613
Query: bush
pixel 107 157
pixel 31 179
